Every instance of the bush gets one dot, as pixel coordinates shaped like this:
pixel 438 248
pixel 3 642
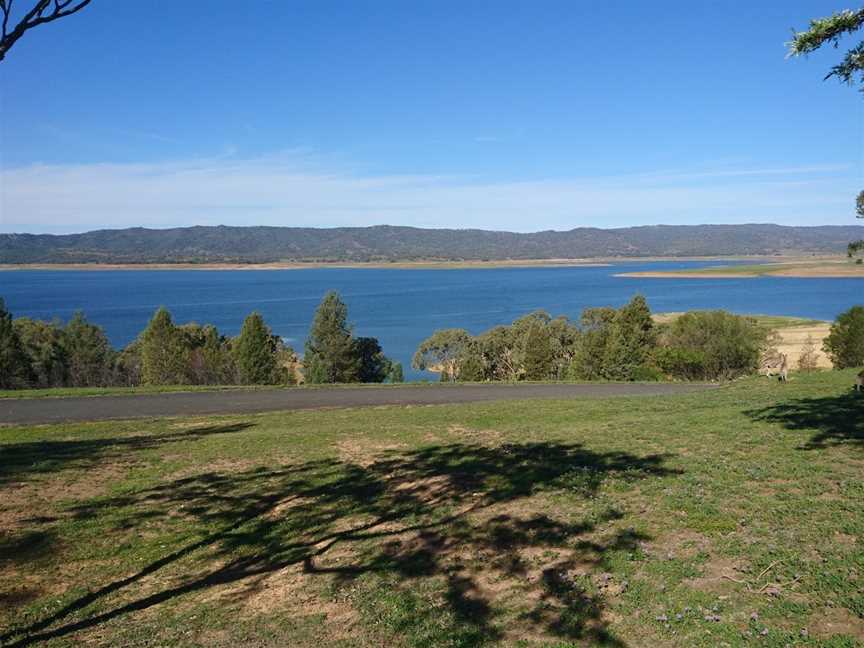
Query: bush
pixel 712 345
pixel 845 343
pixel 809 358
pixel 646 373
pixel 687 364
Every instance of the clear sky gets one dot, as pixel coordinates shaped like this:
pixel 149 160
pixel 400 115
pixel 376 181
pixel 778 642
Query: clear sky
pixel 499 115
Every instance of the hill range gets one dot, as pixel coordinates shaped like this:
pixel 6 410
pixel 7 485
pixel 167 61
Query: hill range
pixel 222 244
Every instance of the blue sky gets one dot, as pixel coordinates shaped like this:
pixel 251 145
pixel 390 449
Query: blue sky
pixel 500 115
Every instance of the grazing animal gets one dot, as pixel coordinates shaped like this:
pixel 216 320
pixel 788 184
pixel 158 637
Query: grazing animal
pixel 859 381
pixel 784 369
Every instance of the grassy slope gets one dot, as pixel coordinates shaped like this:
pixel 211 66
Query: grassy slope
pixel 581 522
pixel 815 268
pixel 767 321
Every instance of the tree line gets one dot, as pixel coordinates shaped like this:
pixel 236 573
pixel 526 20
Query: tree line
pixel 39 354
pixel 621 344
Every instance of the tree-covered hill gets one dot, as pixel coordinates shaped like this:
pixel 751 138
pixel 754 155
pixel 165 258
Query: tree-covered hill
pixel 389 243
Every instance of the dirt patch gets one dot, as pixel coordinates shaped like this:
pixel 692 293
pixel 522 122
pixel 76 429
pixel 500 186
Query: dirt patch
pixel 836 621
pixel 482 437
pixel 364 452
pixel 716 576
pixel 845 539
pixel 683 544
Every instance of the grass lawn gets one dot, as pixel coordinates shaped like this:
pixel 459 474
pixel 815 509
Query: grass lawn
pixel 767 321
pixel 730 517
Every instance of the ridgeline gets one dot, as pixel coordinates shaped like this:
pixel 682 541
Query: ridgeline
pixel 221 244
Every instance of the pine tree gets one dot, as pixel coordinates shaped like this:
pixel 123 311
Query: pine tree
pixel 331 356
pixel 14 368
pixel 88 352
pixel 42 342
pixel 374 365
pixel 218 367
pixel 254 352
pixel 539 359
pixel 631 339
pixel 164 356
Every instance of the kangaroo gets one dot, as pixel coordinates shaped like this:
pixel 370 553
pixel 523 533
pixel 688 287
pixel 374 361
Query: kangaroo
pixel 859 381
pixel 784 369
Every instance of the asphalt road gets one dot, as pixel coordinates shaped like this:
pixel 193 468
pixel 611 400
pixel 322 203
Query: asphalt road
pixel 98 408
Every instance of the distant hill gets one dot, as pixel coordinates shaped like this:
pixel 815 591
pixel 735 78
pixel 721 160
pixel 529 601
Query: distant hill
pixel 388 243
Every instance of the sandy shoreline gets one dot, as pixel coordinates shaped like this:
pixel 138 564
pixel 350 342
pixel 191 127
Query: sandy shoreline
pixel 420 265
pixel 825 270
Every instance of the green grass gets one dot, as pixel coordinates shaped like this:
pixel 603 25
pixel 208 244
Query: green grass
pixel 782 321
pixel 767 321
pixel 622 522
pixel 761 269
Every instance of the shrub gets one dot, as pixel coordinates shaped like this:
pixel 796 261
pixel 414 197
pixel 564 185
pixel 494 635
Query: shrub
pixel 712 345
pixel 684 363
pixel 809 358
pixel 845 343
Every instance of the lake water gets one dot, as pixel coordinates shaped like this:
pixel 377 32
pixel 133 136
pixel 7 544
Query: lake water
pixel 399 307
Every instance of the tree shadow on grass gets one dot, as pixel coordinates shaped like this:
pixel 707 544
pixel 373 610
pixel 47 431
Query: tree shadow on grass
pixel 450 516
pixel 834 420
pixel 20 461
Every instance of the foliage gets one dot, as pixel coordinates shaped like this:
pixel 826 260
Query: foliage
pixel 830 30
pixel 213 360
pixel 39 354
pixel 538 359
pixel 630 341
pixel 43 344
pixel 164 352
pixel 712 345
pixel 845 343
pixel 254 352
pixel 441 352
pixel 88 353
pixel 14 368
pixel 375 367
pixel 855 247
pixel 395 375
pixel 127 365
pixel 331 356
pixel 596 327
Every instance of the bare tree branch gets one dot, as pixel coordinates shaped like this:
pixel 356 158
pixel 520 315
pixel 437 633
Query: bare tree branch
pixel 42 12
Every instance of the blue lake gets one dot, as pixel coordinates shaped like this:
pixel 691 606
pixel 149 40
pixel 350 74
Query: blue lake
pixel 399 307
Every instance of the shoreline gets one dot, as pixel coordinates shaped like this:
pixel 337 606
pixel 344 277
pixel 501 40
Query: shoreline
pixel 311 265
pixel 815 272
pixel 399 265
